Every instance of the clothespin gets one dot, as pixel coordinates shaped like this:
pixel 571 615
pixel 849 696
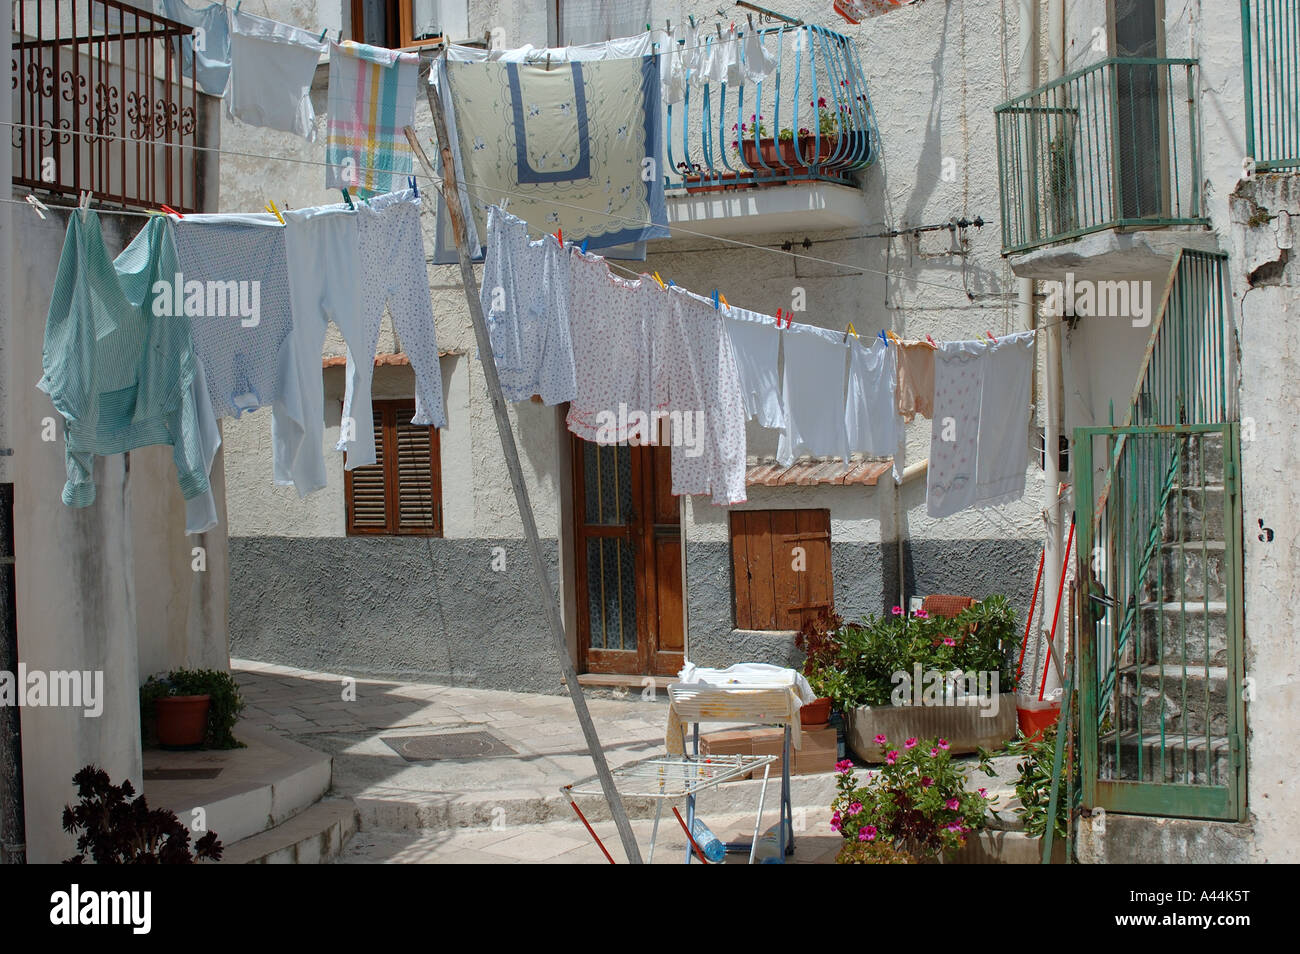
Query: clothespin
pixel 583 248
pixel 882 337
pixel 751 20
pixel 548 62
pixel 270 207
pixel 672 283
pixel 715 299
pixel 778 318
pixel 39 207
pixel 83 202
pixel 647 28
pixel 990 334
pixel 410 180
pixel 237 5
pixel 691 17
pixel 719 26
pixel 348 199
pixel 170 211
pixel 559 235
pixel 505 203
pixel 931 340
pixel 660 281
pixel 322 34
pixel 892 337
pixel 850 330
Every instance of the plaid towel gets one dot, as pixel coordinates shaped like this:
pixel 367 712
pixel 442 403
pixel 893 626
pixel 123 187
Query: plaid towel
pixel 371 99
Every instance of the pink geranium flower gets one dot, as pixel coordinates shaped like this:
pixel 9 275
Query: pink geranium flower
pixel 881 740
pixel 922 614
pixel 943 744
pixel 843 766
pixel 926 781
pixel 897 611
pixel 867 833
pixel 933 753
pixel 955 826
pixel 891 757
pixel 949 641
pixel 910 743
pixel 984 793
pixel 953 803
pixel 855 808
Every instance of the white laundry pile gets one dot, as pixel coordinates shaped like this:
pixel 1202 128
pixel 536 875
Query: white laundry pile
pixel 979 439
pixel 271 69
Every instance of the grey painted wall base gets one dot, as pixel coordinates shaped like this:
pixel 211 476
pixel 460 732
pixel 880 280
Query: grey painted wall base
pixel 866 582
pixel 402 607
pixel 1138 839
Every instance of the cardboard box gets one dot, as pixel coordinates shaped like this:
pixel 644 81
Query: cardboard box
pixel 770 742
pixel 818 752
pixel 731 742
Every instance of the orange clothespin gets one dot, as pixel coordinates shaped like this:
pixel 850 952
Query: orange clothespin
pixel 170 211
pixel 893 337
pixel 723 299
pixel 660 281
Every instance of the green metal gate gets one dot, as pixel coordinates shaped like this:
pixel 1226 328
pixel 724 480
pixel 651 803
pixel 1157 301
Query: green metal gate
pixel 1160 664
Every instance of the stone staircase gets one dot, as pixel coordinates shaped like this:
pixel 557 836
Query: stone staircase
pixel 1171 687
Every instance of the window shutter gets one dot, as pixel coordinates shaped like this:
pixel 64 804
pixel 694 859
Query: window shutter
pixel 418 508
pixel 776 588
pixel 367 488
pixel 402 491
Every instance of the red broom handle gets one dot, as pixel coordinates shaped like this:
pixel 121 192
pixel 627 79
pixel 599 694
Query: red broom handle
pixel 1056 613
pixel 1024 643
pixel 591 830
pixel 689 837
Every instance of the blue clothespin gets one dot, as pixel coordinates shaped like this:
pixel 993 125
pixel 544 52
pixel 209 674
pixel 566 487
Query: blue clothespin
pixel 322 34
pixel 414 188
pixel 715 299
pixel 348 199
pixel 583 247
pixel 882 337
pixel 671 282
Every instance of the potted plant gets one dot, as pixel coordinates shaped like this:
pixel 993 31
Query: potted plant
pixel 1034 786
pixel 191 708
pixel 755 145
pixel 916 802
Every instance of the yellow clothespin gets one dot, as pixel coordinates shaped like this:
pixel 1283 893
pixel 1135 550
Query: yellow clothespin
pixel 660 281
pixel 893 337
pixel 850 330
pixel 270 207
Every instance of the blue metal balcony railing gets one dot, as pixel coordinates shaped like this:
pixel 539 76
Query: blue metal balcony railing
pixel 809 120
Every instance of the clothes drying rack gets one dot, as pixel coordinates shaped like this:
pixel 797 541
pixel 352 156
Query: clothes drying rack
pixel 670 778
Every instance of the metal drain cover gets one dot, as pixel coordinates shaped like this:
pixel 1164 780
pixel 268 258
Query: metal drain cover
pixel 179 774
pixel 448 745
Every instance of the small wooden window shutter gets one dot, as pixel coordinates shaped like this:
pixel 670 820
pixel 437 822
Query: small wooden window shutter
pixel 401 493
pixel 776 585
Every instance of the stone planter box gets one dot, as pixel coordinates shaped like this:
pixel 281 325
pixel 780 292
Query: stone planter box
pixel 965 727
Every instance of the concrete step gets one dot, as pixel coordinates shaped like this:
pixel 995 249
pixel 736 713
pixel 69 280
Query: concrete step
pixel 1202 458
pixel 1195 760
pixel 1173 698
pixel 1193 571
pixel 239 792
pixel 1170 630
pixel 1195 513
pixel 315 836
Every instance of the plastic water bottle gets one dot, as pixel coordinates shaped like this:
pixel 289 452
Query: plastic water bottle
pixel 713 849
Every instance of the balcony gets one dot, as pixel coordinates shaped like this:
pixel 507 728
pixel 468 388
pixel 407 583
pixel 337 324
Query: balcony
pixel 785 148
pixel 1269 29
pixel 99 104
pixel 1113 146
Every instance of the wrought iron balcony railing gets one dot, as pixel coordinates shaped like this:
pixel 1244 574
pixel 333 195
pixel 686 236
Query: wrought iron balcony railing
pixel 810 119
pixel 1269 32
pixel 100 104
pixel 1113 145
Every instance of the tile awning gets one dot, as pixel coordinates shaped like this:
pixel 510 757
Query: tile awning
pixel 381 360
pixel 815 471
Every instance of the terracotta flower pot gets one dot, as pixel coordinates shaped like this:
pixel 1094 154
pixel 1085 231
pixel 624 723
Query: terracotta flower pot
pixel 767 152
pixel 815 714
pixel 182 721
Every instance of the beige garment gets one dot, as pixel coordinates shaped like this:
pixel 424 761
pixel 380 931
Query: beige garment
pixel 915 379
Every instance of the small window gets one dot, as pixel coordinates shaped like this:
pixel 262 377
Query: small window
pixel 781 567
pixel 401 492
pixel 409 23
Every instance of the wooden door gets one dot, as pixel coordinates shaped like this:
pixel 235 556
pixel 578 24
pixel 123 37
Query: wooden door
pixel 629 566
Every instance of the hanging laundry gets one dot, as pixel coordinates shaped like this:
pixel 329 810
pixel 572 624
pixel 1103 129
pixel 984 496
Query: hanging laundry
pixel 201 510
pixel 610 323
pixel 241 320
pixel 525 297
pixel 871 410
pixel 121 376
pixel 915 379
pixel 812 393
pixel 757 344
pixel 271 70
pixel 323 250
pixel 210 40
pixel 758 63
pixel 567 146
pixel 391 257
pixel 672 70
pixel 371 101
pixel 697 382
pixel 735 73
pixel 979 438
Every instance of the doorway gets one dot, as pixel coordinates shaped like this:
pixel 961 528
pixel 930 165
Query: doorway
pixel 627 535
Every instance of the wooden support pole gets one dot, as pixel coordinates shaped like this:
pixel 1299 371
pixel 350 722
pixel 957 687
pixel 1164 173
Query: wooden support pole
pixel 458 213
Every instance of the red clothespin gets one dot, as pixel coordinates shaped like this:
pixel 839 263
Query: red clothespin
pixel 170 211
pixel 990 334
pixel 559 234
pixel 931 340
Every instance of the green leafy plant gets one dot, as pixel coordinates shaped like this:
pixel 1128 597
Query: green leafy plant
pixel 872 853
pixel 223 711
pixel 854 663
pixel 114 827
pixel 1034 785
pixel 917 801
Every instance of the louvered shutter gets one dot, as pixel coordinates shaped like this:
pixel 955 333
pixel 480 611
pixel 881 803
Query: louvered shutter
pixel 402 491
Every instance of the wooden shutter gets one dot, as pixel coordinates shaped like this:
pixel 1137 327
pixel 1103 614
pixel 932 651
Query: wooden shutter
pixel 401 493
pixel 772 591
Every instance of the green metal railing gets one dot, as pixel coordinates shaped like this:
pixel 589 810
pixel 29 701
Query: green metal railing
pixel 1270 52
pixel 1161 717
pixel 1113 145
